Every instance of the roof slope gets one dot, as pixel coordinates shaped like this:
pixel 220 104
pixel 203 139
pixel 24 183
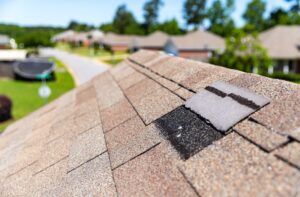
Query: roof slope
pixel 115 39
pixel 102 139
pixel 282 42
pixel 198 40
pixel 154 40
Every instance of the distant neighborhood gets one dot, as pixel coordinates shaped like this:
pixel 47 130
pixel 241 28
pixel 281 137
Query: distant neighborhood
pixel 7 43
pixel 197 45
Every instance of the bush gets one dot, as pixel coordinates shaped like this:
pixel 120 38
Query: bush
pixel 5 108
pixel 287 77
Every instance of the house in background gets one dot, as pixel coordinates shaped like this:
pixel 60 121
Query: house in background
pixel 117 42
pixel 197 45
pixel 7 43
pixel 65 36
pixel 283 46
pixel 95 36
pixel 154 41
pixel 79 38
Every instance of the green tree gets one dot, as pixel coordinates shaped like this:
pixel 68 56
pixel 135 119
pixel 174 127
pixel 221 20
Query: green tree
pixel 170 27
pixel 76 26
pixel 295 6
pixel 123 20
pixel 107 27
pixel 194 12
pixel 243 52
pixel 219 17
pixel 282 17
pixel 30 36
pixel 254 15
pixel 151 13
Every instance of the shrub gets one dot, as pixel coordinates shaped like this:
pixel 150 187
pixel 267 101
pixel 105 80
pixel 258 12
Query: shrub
pixel 5 108
pixel 288 77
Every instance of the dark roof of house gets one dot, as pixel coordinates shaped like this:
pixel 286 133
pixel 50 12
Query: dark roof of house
pixel 198 40
pixel 282 42
pixel 130 132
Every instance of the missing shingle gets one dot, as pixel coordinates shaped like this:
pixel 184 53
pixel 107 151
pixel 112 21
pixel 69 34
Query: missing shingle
pixel 187 132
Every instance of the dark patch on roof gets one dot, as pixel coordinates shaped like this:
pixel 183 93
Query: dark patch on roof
pixel 187 133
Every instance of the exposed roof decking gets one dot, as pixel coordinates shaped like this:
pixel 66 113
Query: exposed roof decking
pixel 101 138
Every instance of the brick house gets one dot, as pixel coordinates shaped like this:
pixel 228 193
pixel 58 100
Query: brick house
pixel 117 42
pixel 198 45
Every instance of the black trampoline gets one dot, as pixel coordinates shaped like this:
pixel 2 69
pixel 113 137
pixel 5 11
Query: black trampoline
pixel 34 69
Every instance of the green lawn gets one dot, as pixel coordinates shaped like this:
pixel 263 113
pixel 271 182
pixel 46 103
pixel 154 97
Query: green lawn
pixel 25 94
pixel 100 54
pixel 114 61
pixel 85 51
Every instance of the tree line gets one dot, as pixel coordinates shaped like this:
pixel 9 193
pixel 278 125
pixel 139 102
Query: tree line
pixel 196 13
pixel 28 37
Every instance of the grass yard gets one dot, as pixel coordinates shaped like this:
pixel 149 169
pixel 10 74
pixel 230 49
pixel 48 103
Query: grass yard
pixel 25 94
pixel 85 51
pixel 114 61
pixel 101 54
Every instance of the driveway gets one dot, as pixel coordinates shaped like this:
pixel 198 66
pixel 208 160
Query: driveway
pixel 82 68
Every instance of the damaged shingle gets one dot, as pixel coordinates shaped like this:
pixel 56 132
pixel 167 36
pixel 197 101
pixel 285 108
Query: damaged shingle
pixel 224 105
pixel 187 133
pixel 240 92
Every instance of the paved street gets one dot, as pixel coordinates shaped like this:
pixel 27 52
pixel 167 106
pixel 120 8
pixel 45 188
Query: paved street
pixel 83 69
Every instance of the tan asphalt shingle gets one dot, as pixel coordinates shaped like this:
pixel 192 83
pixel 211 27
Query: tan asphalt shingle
pixel 102 138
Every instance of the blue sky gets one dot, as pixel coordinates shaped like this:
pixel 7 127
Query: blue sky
pixel 96 12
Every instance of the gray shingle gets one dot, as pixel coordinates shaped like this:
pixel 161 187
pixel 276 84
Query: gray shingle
pixel 231 89
pixel 223 113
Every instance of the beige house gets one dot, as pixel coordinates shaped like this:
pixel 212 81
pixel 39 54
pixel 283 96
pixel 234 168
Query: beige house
pixel 117 42
pixel 65 36
pixel 283 46
pixel 197 45
pixel 154 41
pixel 7 43
pixel 79 38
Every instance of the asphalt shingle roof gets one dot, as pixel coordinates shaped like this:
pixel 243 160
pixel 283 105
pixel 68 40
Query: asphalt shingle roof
pixel 154 40
pixel 127 133
pixel 282 42
pixel 199 40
